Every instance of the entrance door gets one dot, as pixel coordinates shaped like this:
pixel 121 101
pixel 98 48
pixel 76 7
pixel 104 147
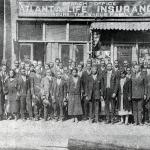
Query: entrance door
pixel 26 51
pixel 79 52
pixel 124 52
pixel 65 53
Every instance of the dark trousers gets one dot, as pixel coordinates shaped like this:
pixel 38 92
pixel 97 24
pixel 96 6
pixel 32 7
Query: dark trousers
pixel 46 111
pixel 29 106
pixel 37 108
pixel 110 105
pixel 137 110
pixel 23 106
pixel 58 108
pixel 88 108
pixel 96 109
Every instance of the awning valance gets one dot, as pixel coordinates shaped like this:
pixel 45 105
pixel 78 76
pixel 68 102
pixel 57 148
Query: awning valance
pixel 136 26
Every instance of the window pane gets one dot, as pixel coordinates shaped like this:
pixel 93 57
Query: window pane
pixel 79 50
pixel 25 50
pixel 65 51
pixel 56 32
pixel 30 30
pixel 79 32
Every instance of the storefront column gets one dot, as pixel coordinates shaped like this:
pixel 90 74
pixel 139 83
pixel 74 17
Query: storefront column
pixel 135 53
pixel 112 51
pixel 115 53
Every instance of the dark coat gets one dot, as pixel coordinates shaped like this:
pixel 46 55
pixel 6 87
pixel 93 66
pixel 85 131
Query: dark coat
pixel 126 95
pixel 114 81
pixel 24 87
pixel 74 101
pixel 138 86
pixel 93 87
pixel 59 91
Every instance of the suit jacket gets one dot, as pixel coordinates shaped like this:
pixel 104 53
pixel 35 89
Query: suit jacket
pixel 93 87
pixel 59 91
pixel 138 86
pixel 24 86
pixel 46 86
pixel 114 81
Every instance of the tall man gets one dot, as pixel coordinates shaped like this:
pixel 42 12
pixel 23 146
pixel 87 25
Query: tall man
pixel 109 89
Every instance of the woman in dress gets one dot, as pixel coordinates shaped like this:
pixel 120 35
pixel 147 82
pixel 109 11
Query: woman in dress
pixel 124 97
pixel 74 96
pixel 11 89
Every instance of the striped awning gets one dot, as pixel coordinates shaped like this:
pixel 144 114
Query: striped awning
pixel 136 26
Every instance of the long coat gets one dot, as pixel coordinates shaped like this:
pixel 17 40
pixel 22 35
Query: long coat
pixel 93 88
pixel 11 89
pixel 74 102
pixel 113 83
pixel 127 87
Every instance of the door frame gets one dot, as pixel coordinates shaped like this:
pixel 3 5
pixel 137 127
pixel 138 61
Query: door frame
pixel 31 46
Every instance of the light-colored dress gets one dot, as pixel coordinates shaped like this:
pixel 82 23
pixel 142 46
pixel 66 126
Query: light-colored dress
pixel 123 112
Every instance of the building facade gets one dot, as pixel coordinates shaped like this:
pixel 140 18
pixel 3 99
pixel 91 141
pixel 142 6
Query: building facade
pixel 77 30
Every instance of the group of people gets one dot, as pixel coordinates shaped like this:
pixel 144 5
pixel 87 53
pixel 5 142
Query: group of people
pixel 92 91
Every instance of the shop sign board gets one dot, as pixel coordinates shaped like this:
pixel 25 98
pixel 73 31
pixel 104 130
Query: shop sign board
pixel 90 9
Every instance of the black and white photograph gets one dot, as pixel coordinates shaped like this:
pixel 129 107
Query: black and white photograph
pixel 74 74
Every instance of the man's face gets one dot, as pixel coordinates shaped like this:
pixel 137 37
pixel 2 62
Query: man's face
pixel 4 68
pixel 79 68
pixel 60 65
pixel 40 64
pixel 59 75
pixel 35 63
pixel 88 67
pixel 128 71
pixel 46 67
pixel 109 67
pixel 23 72
pixel 102 63
pixel 94 70
pixel 73 64
pixel 27 67
pixel 16 64
pixel 125 63
pixel 57 62
pixel 11 73
pixel 74 73
pixel 48 73
pixel 116 64
pixel 137 68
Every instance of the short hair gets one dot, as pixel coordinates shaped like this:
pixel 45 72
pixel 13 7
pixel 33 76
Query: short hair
pixel 75 69
pixel 57 59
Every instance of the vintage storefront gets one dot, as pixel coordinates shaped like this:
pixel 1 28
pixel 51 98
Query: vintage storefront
pixel 46 30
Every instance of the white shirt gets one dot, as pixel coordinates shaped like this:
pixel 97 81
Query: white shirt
pixel 109 73
pixel 94 76
pixel 75 79
pixel 58 81
pixel 122 81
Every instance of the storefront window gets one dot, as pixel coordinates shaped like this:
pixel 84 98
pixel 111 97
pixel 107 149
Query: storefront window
pixel 144 53
pixel 79 51
pixel 78 32
pixel 56 32
pixel 30 30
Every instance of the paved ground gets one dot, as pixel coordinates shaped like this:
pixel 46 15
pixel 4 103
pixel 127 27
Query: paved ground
pixel 54 135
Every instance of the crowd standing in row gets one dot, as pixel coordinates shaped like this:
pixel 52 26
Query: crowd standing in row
pixel 92 91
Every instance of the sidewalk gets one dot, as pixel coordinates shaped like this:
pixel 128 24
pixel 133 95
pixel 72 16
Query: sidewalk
pixel 54 135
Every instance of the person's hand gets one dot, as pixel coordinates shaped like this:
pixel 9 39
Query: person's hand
pixel 114 95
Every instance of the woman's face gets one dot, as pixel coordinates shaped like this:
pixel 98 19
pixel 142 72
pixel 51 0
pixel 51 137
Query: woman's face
pixel 11 73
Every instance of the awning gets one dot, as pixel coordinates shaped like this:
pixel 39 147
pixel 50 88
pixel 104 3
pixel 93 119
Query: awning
pixel 136 26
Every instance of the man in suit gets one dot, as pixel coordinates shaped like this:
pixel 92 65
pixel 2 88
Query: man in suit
pixel 24 91
pixel 59 93
pixel 109 91
pixel 93 94
pixel 139 93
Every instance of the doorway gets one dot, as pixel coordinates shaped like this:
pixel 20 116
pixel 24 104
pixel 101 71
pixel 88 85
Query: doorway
pixel 124 52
